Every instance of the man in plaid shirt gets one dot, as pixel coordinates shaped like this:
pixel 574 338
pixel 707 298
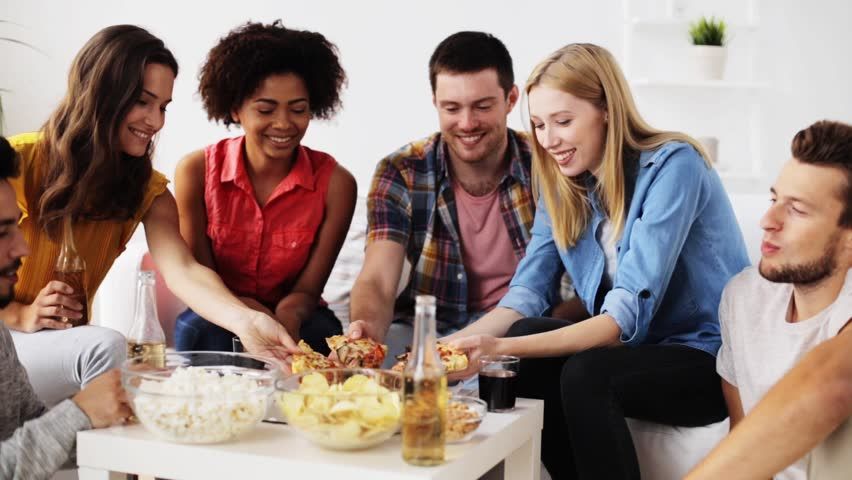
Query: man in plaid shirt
pixel 456 207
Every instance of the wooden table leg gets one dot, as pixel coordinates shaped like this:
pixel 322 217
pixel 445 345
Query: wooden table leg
pixel 525 462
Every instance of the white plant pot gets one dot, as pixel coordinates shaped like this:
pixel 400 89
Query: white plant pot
pixel 708 62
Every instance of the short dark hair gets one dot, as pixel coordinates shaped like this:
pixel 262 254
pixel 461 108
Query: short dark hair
pixel 470 52
pixel 8 160
pixel 242 59
pixel 829 144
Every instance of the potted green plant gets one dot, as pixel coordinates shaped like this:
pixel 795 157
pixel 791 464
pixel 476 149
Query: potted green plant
pixel 709 37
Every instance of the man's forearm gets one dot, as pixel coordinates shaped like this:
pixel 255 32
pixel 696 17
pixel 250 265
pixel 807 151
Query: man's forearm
pixel 368 304
pixel 40 447
pixel 794 416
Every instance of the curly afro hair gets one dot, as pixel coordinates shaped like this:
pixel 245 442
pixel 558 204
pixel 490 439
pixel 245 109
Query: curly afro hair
pixel 237 65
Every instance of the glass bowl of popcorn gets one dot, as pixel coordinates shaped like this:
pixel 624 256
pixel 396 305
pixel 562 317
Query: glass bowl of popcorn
pixel 199 397
pixel 342 408
pixel 464 415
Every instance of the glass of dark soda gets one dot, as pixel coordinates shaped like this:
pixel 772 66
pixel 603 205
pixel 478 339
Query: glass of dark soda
pixel 498 379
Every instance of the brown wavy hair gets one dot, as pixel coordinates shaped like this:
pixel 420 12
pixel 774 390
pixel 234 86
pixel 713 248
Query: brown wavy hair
pixel 87 176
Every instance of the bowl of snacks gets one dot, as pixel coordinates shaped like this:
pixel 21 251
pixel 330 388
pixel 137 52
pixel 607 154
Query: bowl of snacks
pixel 199 397
pixel 464 415
pixel 342 408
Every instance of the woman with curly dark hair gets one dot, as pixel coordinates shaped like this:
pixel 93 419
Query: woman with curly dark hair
pixel 267 213
pixel 92 163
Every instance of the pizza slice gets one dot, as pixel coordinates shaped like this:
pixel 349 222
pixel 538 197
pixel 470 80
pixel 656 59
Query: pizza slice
pixel 360 353
pixel 310 359
pixel 453 359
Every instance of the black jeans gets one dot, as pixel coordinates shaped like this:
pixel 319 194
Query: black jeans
pixel 588 395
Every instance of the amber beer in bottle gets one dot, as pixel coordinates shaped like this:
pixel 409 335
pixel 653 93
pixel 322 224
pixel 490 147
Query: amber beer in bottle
pixel 424 406
pixel 71 269
pixel 146 338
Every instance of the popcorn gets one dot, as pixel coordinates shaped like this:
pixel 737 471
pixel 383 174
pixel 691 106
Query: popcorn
pixel 196 405
pixel 355 414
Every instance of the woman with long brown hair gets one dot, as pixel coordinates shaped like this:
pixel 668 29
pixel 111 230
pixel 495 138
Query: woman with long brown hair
pixel 640 221
pixel 91 163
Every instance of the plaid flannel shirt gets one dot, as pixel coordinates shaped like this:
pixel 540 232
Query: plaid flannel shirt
pixel 411 202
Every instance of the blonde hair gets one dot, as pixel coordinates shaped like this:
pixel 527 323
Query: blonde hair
pixel 590 72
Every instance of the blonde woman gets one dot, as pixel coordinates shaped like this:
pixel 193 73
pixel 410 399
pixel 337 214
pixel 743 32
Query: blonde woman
pixel 640 221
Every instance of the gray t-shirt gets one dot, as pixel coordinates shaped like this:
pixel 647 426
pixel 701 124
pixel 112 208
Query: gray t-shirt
pixel 759 343
pixel 34 442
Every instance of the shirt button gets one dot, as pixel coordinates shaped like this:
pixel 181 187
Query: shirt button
pixel 460 276
pixel 293 244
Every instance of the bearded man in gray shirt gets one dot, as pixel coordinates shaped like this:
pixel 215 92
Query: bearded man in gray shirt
pixel 36 442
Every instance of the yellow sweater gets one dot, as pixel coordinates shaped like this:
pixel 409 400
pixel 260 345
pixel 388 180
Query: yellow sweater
pixel 99 243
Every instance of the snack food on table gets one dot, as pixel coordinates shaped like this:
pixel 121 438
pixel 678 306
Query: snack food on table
pixel 363 352
pixel 195 405
pixel 453 359
pixel 464 415
pixel 310 359
pixel 353 410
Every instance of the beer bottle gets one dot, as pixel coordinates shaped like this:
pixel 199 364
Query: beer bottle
pixel 145 337
pixel 424 406
pixel 71 269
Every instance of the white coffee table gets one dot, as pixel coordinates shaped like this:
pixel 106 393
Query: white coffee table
pixel 276 451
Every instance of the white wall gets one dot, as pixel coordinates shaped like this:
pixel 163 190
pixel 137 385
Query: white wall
pixel 385 46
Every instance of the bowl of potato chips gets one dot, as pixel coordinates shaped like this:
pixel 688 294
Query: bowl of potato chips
pixel 342 408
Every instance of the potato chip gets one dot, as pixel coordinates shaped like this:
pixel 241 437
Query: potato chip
pixel 355 383
pixel 348 431
pixel 344 407
pixel 313 383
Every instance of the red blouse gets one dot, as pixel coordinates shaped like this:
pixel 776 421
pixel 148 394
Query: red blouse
pixel 259 252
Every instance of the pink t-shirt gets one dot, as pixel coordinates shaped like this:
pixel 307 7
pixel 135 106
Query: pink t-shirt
pixel 486 247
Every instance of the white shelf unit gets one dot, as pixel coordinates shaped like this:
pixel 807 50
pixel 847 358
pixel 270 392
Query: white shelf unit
pixel 739 96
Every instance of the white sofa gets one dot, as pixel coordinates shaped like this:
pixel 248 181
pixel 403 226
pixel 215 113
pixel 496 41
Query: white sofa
pixel 664 452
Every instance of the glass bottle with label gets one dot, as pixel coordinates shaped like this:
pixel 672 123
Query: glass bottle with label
pixel 146 337
pixel 424 406
pixel 71 269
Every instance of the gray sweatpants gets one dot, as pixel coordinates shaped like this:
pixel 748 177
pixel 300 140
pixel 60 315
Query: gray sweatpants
pixel 60 362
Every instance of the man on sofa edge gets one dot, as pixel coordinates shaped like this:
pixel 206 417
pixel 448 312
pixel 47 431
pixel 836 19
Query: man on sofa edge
pixel 803 288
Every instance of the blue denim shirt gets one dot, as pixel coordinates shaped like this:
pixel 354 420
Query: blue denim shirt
pixel 680 246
